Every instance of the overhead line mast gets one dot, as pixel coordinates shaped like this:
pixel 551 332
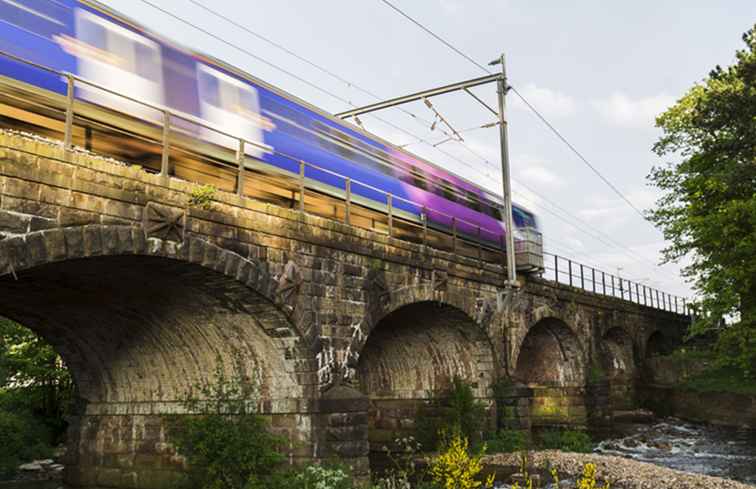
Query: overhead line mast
pixel 501 81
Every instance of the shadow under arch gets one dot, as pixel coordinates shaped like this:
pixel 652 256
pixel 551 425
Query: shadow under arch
pixel 138 328
pixel 551 364
pixel 410 357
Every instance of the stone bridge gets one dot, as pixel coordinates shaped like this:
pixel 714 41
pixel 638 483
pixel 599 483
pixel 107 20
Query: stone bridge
pixel 347 332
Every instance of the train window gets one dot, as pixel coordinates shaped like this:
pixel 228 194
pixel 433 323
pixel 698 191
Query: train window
pixel 209 87
pixel 447 192
pixel 146 62
pixel 118 47
pixel 473 202
pixel 418 180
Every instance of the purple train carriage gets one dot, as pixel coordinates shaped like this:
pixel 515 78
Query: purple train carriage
pixel 87 39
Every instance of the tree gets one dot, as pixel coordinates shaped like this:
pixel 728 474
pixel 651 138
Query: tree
pixel 708 208
pixel 32 375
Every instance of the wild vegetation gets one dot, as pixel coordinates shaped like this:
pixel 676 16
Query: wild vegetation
pixel 35 393
pixel 708 210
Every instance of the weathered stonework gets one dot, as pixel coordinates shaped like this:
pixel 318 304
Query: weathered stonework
pixel 347 331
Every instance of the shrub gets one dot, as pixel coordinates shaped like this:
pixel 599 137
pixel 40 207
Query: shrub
pixel 567 440
pixel 226 445
pixel 457 468
pixel 458 412
pixel 313 476
pixel 23 439
pixel 507 441
pixel 202 197
pixel 588 479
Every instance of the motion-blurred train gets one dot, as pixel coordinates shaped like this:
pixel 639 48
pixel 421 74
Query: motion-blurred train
pixel 89 40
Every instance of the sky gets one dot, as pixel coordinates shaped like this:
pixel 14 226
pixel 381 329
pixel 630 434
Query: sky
pixel 598 71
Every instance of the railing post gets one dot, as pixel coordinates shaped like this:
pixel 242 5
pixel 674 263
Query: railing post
pixel 425 226
pixel 68 130
pixel 454 235
pixel 348 204
pixel 389 203
pixel 685 306
pixel 582 278
pixel 593 279
pixel 480 250
pixel 657 299
pixel 645 301
pixel 556 268
pixel 240 157
pixel 301 185
pixel 622 290
pixel 677 310
pixel 603 281
pixel 614 291
pixel 637 293
pixel 165 157
pixel 569 270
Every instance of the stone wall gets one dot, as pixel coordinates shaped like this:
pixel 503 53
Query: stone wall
pixel 347 331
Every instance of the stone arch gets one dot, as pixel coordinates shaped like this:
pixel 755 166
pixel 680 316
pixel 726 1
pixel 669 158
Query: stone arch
pixel 410 358
pixel 617 356
pixel 551 363
pixel 139 322
pixel 657 344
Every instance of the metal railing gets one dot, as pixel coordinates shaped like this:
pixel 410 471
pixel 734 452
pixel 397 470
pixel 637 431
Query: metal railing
pixel 398 210
pixel 565 271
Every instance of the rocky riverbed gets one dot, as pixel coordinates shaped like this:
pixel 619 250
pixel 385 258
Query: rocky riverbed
pixel 621 472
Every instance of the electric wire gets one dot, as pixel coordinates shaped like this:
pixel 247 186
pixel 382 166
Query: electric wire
pixel 528 104
pixel 339 98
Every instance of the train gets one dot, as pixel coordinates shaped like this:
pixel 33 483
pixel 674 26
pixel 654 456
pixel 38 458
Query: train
pixel 90 40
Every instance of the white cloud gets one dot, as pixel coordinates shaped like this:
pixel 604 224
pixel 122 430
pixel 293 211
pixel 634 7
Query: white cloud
pixel 622 110
pixel 549 102
pixel 540 176
pixel 450 7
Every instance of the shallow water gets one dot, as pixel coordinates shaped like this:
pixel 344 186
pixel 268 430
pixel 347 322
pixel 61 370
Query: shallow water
pixel 710 450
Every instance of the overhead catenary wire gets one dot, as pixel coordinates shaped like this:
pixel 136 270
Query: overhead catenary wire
pixel 331 94
pixel 527 103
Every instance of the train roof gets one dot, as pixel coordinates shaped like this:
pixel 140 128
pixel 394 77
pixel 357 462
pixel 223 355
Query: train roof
pixel 243 74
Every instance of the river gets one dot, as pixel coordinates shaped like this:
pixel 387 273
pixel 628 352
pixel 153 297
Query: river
pixel 703 449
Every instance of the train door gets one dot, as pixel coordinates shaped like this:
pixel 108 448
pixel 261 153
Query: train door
pixel 122 61
pixel 233 107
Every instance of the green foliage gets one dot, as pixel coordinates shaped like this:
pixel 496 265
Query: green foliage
pixel 708 210
pixel 24 438
pixel 314 476
pixel 507 441
pixel 596 374
pixel 403 472
pixel 721 379
pixel 566 440
pixel 458 413
pixel 202 197
pixel 35 392
pixel 226 445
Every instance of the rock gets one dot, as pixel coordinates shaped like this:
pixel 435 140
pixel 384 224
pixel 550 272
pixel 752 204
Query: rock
pixel 633 416
pixel 45 462
pixel 30 467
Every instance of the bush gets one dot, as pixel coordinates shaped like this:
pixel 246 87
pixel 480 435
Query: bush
pixel 457 468
pixel 458 413
pixel 226 445
pixel 507 441
pixel 567 440
pixel 23 439
pixel 202 197
pixel 314 476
